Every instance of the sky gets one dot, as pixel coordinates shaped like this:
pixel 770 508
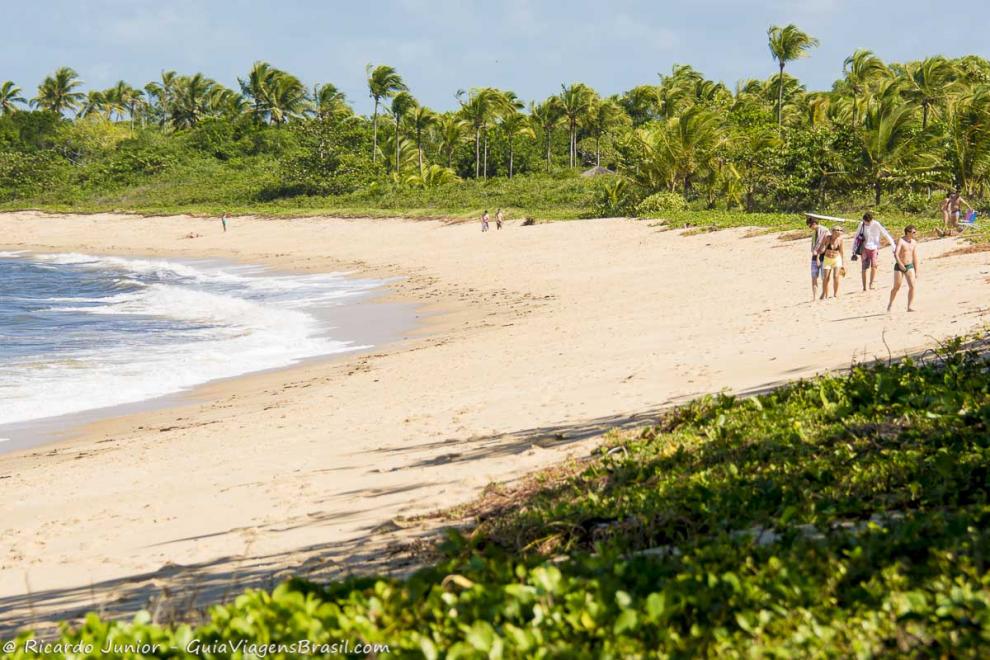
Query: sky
pixel 441 46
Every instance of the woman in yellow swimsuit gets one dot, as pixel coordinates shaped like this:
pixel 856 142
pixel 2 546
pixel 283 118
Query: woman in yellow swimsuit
pixel 832 266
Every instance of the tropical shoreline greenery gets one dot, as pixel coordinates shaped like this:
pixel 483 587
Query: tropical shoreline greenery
pixel 844 516
pixel 888 136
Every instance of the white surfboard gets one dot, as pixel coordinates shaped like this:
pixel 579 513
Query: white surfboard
pixel 827 217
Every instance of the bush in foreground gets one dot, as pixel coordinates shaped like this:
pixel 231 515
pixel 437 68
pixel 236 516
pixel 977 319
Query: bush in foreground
pixel 844 516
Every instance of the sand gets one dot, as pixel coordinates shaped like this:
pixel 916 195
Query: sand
pixel 535 340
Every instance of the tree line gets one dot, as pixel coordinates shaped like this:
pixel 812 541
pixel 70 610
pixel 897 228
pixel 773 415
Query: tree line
pixel 903 128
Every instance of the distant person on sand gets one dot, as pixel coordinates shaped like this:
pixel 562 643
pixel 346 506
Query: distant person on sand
pixel 484 221
pixel 906 256
pixel 223 221
pixel 871 231
pixel 952 210
pixel 819 235
pixel 499 217
pixel 833 265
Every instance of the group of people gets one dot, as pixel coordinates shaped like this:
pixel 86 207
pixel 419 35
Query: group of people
pixel 828 257
pixel 485 219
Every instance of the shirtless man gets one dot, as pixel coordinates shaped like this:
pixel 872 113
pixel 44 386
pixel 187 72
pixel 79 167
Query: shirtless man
pixel 906 268
pixel 952 210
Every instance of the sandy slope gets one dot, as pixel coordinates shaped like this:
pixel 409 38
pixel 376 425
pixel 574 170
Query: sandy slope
pixel 547 334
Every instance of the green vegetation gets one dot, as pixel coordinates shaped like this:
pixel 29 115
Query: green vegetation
pixel 888 136
pixel 843 516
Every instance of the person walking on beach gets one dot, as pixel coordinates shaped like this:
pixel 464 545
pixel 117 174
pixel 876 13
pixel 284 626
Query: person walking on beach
pixel 833 264
pixel 484 221
pixel 819 236
pixel 871 231
pixel 906 266
pixel 499 217
pixel 223 221
pixel 952 210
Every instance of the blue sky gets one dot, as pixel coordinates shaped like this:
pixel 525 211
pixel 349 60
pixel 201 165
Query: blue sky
pixel 440 46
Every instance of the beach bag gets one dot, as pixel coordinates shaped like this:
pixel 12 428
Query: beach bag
pixel 857 246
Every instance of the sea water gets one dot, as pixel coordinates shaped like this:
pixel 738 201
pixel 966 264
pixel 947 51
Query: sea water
pixel 81 332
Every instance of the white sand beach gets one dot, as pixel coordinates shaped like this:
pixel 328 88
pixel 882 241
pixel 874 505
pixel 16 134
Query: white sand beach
pixel 535 340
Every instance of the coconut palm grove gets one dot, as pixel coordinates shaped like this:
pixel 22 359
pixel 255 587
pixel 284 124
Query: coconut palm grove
pixel 888 135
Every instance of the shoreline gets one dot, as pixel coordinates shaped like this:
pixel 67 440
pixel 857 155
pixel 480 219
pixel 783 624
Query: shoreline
pixel 399 321
pixel 538 340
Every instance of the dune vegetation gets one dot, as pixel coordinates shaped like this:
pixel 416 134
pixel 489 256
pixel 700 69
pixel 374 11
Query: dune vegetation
pixel 841 516
pixel 888 136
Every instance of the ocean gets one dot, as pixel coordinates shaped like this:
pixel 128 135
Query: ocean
pixel 81 332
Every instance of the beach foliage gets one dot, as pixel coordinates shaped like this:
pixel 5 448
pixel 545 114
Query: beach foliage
pixel 843 516
pixel 888 136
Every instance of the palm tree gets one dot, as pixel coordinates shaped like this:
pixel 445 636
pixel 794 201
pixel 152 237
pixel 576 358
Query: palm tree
pixel 861 69
pixel 787 44
pixel 673 153
pixel 57 92
pixel 402 104
pixel 192 97
pixel 329 102
pixel 575 102
pixel 95 103
pixel 967 130
pixel 928 82
pixel 383 82
pixel 890 147
pixel 449 130
pixel 546 116
pixel 123 98
pixel 275 94
pixel 10 96
pixel 162 92
pixel 515 124
pixel 421 119
pixel 478 108
pixel 605 117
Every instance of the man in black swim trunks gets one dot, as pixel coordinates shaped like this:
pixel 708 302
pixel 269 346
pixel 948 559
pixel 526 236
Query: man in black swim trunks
pixel 906 266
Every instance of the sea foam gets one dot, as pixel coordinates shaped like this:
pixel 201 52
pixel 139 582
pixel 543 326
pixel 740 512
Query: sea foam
pixel 143 328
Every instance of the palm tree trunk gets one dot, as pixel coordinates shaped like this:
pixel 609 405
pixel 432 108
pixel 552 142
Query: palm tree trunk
pixel 924 115
pixel 374 133
pixel 548 151
pixel 877 190
pixel 477 153
pixel 397 118
pixel 598 151
pixel 780 97
pixel 510 158
pixel 419 150
pixel 486 154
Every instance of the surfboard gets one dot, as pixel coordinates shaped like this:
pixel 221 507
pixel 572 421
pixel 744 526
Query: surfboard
pixel 827 217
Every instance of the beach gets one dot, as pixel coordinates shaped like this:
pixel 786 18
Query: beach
pixel 533 341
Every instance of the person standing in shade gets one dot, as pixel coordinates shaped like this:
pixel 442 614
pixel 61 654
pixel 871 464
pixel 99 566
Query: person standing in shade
pixel 499 217
pixel 223 221
pixel 484 221
pixel 871 231
pixel 819 238
pixel 906 266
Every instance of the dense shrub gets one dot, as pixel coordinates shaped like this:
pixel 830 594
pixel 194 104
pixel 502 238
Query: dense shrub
pixel 661 202
pixel 26 174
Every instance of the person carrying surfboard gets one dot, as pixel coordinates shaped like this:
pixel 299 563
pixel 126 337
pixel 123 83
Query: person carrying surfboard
pixel 819 238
